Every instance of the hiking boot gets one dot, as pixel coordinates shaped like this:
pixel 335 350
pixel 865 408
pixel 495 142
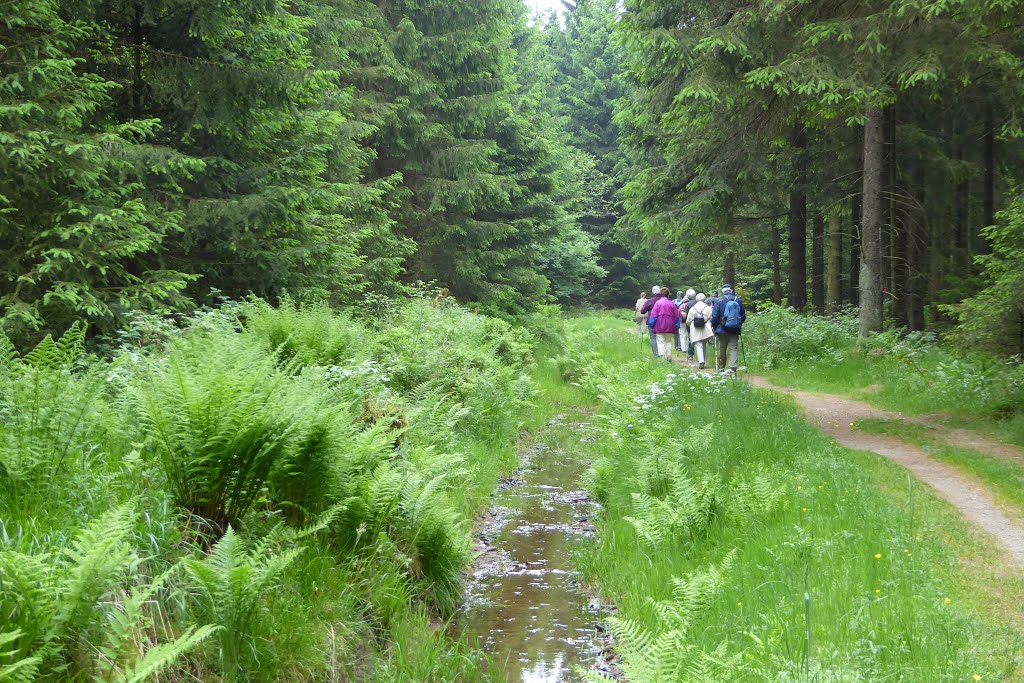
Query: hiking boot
pixel 700 366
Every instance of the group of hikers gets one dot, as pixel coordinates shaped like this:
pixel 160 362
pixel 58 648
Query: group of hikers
pixel 690 322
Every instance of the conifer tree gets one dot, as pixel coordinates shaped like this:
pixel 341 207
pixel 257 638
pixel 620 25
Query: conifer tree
pixel 236 90
pixel 78 230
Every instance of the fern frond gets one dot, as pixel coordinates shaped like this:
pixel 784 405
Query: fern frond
pixel 23 670
pixel 98 557
pixel 164 655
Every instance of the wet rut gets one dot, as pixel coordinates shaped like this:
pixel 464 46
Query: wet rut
pixel 523 604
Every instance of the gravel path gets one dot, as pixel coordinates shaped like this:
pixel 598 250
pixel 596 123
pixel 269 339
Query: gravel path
pixel 835 415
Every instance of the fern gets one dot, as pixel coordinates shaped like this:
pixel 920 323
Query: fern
pixel 219 418
pixel 667 653
pixel 22 670
pixel 230 582
pixel 686 512
pixel 67 613
pixel 50 412
pixel 99 557
pixel 164 655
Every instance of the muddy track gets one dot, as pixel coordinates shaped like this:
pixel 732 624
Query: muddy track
pixel 836 415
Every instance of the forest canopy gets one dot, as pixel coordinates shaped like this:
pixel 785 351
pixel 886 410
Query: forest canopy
pixel 156 154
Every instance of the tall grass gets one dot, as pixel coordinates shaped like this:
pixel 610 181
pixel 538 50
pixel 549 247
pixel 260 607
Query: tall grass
pixel 819 574
pixel 256 493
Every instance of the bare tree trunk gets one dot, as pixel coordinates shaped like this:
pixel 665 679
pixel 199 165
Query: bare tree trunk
pixel 137 62
pixel 796 295
pixel 916 265
pixel 818 262
pixel 729 268
pixel 776 265
pixel 989 202
pixel 833 264
pixel 890 271
pixel 872 223
pixel 962 226
pixel 856 204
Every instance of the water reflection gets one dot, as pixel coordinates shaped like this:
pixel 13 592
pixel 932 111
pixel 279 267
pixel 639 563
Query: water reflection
pixel 523 605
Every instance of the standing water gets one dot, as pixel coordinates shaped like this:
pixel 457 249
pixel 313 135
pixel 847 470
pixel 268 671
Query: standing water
pixel 523 605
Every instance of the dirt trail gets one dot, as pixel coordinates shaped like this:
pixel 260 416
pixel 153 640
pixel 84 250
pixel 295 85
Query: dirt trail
pixel 834 415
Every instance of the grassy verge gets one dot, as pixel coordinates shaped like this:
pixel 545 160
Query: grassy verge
pixel 740 544
pixel 1003 477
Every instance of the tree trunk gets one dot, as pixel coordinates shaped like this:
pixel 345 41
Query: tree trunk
pixel 818 262
pixel 797 285
pixel 900 270
pixel 854 294
pixel 776 265
pixel 871 225
pixel 853 274
pixel 729 268
pixel 833 265
pixel 916 265
pixel 890 271
pixel 137 62
pixel 989 200
pixel 962 226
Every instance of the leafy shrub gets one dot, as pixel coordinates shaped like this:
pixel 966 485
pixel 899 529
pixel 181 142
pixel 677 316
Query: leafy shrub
pixel 777 336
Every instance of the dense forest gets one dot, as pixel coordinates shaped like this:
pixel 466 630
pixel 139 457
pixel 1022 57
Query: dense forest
pixel 287 287
pixel 818 153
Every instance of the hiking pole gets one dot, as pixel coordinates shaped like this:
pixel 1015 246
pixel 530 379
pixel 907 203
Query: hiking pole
pixel 743 353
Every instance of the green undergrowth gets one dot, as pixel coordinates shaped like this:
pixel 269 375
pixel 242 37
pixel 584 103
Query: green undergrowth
pixel 741 544
pixel 252 494
pixel 1003 476
pixel 911 373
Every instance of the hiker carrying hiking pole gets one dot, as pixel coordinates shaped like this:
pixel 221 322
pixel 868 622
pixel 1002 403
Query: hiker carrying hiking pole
pixel 727 318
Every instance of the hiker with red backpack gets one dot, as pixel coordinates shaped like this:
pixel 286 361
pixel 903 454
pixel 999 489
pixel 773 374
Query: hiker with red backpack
pixel 727 318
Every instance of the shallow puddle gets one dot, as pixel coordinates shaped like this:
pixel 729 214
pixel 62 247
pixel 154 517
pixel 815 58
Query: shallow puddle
pixel 522 605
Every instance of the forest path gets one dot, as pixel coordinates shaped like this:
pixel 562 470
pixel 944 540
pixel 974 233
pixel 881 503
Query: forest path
pixel 836 416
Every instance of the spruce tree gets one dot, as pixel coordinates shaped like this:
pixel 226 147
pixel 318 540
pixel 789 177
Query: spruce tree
pixel 78 228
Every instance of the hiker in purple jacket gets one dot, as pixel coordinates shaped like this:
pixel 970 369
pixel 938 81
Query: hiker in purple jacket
pixel 645 310
pixel 666 319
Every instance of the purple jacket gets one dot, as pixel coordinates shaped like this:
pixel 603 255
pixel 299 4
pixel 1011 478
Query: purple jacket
pixel 667 313
pixel 650 304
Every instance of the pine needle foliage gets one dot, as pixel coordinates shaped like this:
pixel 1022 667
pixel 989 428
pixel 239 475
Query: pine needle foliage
pixel 78 226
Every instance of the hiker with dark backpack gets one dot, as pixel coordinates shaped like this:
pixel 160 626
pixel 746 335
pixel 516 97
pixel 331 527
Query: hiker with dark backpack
pixel 727 318
pixel 699 319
